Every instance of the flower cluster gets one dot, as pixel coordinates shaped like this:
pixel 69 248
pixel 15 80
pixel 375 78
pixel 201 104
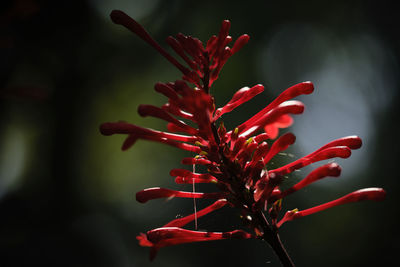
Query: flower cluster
pixel 235 159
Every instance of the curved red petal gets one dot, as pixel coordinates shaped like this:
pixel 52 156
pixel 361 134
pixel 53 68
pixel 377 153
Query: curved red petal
pixel 187 219
pixel 327 170
pixel 157 192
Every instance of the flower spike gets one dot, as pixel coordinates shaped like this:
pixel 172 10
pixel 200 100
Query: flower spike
pixel 234 160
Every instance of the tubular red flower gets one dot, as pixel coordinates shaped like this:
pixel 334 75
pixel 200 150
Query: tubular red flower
pixel 129 141
pixel 191 180
pixel 279 145
pixel 226 53
pixel 261 137
pixel 180 222
pixel 188 177
pixel 136 132
pixel 150 110
pixel 198 161
pixel 262 150
pixel 174 110
pixel 119 17
pixel 245 154
pixel 265 186
pixel 166 90
pixel 223 33
pixel 158 192
pixel 250 127
pixel 111 128
pixel 240 42
pixel 331 170
pixel 283 121
pixel 290 93
pixel 375 194
pixel 178 48
pixel 168 236
pixel 352 142
pixel 318 155
pixel 240 97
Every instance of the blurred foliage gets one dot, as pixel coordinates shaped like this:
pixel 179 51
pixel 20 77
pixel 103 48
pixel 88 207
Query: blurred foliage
pixel 67 193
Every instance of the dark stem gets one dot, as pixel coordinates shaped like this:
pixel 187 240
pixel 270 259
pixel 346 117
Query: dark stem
pixel 206 71
pixel 273 239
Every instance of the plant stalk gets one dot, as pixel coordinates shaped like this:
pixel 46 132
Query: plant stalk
pixel 272 237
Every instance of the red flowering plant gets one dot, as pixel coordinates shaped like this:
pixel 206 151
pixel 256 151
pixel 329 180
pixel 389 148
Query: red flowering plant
pixel 235 160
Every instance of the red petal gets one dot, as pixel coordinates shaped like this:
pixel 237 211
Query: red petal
pixel 190 47
pixel 265 186
pixel 211 43
pixel 240 42
pixel 279 145
pixel 143 241
pixel 226 53
pixel 331 170
pixel 375 194
pixel 119 17
pixel 187 219
pixel 245 154
pixel 240 97
pixel 166 90
pixel 327 153
pixel 111 128
pixel 352 142
pixel 296 90
pixel 260 152
pixel 167 236
pixel 150 110
pixel 188 177
pixel 223 33
pixel 200 161
pixel 271 130
pixel 157 192
pixel 191 180
pixel 284 121
pixel 261 137
pixel 180 51
pixel 251 126
pixel 129 141
pixel 173 109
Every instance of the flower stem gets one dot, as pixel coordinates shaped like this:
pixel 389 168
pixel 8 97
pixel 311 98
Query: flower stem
pixel 273 239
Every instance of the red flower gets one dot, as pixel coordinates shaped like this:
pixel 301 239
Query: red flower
pixel 172 233
pixel 376 194
pixel 168 236
pixel 236 160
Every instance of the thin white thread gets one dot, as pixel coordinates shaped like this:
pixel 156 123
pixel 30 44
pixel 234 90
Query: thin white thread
pixel 194 199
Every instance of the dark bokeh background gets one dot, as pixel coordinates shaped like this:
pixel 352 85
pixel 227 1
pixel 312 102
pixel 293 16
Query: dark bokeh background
pixel 67 193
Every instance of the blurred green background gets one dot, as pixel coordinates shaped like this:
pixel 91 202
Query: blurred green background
pixel 67 193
